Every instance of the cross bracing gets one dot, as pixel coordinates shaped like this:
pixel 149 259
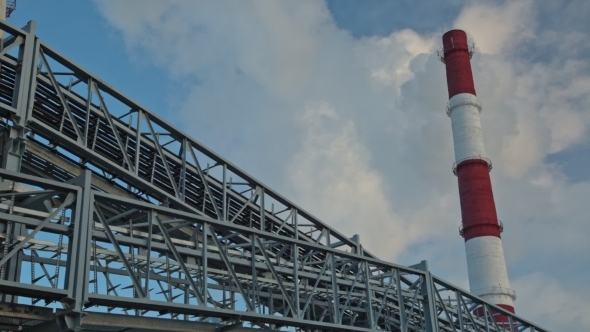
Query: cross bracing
pixel 113 215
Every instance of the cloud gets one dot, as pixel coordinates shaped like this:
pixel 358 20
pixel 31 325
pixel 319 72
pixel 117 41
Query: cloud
pixel 390 56
pixel 551 304
pixel 347 192
pixel 355 130
pixel 335 167
pixel 496 28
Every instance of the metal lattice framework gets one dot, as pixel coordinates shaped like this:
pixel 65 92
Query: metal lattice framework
pixel 114 217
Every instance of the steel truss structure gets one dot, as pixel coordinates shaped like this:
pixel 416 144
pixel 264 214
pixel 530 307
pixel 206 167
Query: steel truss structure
pixel 112 219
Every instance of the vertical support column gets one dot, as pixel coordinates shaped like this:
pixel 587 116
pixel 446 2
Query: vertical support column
pixel 369 298
pixel 335 296
pixel 224 194
pixel 14 141
pixel 254 288
pixel 151 216
pixel 78 265
pixel 22 100
pixel 138 141
pixel 204 261
pixel 295 256
pixel 429 301
pixel 400 302
pixel 182 180
pixel 262 210
pixel 88 111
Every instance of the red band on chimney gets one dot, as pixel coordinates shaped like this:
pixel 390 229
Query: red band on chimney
pixel 478 209
pixel 506 307
pixel 500 319
pixel 456 53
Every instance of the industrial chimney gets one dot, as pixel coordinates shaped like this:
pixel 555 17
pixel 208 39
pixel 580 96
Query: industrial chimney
pixel 480 226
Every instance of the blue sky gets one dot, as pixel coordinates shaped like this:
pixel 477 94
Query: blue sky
pixel 77 30
pixel 381 17
pixel 340 106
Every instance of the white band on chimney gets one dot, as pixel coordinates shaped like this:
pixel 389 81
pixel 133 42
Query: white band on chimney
pixel 463 99
pixel 486 268
pixel 464 110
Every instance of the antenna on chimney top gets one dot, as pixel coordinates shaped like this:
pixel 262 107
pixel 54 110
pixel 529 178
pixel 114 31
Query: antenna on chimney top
pixel 441 55
pixel 471 50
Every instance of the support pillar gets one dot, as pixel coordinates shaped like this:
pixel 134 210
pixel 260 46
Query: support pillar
pixel 79 251
pixel 15 136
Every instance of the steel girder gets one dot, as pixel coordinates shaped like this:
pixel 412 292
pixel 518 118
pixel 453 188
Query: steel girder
pixel 132 216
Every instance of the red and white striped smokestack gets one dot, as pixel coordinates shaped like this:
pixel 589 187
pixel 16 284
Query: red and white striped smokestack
pixel 480 227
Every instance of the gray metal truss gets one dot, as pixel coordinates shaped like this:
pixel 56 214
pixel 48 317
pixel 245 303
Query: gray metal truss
pixel 116 217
